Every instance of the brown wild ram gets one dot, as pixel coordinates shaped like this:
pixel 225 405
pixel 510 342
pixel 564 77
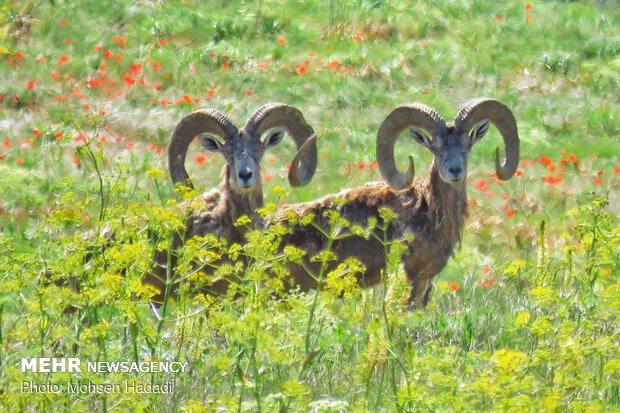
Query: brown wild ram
pixel 432 210
pixel 240 193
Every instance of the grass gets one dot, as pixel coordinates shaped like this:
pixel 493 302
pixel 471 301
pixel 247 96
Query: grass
pixel 523 318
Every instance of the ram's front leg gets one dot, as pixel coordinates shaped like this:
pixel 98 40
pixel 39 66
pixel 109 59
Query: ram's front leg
pixel 420 287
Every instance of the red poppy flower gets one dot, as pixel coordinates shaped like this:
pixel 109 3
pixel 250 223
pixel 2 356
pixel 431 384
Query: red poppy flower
pixel 481 185
pixel 499 18
pixel 63 59
pixel 20 161
pixel 553 180
pixel 200 159
pixel 129 80
pixel 120 40
pixel 302 70
pixel 598 181
pixel 156 66
pixel 453 286
pixel 282 41
pixel 528 6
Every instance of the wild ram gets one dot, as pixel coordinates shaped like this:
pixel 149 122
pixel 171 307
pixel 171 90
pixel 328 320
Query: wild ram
pixel 431 210
pixel 240 192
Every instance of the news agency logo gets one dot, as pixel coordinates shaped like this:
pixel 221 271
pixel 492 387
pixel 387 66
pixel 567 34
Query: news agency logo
pixel 51 365
pixel 75 365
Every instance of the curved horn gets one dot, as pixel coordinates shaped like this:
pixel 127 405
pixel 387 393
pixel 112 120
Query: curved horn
pixel 417 115
pixel 203 121
pixel 277 114
pixel 480 109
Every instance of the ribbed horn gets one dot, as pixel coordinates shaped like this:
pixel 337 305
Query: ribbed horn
pixel 290 118
pixel 414 115
pixel 200 122
pixel 497 113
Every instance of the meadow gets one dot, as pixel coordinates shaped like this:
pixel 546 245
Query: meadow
pixel 523 319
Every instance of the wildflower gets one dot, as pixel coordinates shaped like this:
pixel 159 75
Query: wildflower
pixel 76 160
pixel 120 40
pixel 271 159
pixel 553 180
pixel 192 68
pixel 617 170
pixel 226 65
pixel 118 58
pixel 200 159
pixel 281 41
pixel 486 270
pixel 499 18
pixel 598 181
pixel 518 172
pixel 59 135
pixel 545 161
pixel 248 92
pixel 63 22
pixel 6 143
pixel 99 48
pixel 161 42
pixel 302 70
pixel 129 80
pixel 67 41
pixel 360 165
pixel 528 19
pixel 129 145
pixel 135 68
pixel 187 99
pixel 108 54
pixel 20 161
pixel 373 165
pixel 19 56
pixel 333 64
pixel 62 60
pixel 528 6
pixel 41 58
pixel 453 286
pixel 481 185
pixel 285 66
pixel 358 37
pixel 423 44
pixel 32 84
pixel 489 282
pixel 268 177
pixel 156 66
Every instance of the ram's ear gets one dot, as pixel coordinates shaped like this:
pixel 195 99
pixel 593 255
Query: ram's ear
pixel 274 137
pixel 210 143
pixel 478 131
pixel 420 136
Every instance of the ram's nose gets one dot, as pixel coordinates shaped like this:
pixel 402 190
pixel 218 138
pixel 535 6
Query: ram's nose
pixel 245 176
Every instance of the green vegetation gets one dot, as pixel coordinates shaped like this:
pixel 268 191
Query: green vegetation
pixel 523 318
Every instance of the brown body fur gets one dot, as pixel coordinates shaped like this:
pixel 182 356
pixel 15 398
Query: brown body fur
pixel 214 212
pixel 431 210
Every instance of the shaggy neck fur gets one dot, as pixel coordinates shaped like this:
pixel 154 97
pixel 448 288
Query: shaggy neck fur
pixel 447 205
pixel 236 205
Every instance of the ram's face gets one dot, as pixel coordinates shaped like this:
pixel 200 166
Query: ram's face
pixel 243 154
pixel 451 150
